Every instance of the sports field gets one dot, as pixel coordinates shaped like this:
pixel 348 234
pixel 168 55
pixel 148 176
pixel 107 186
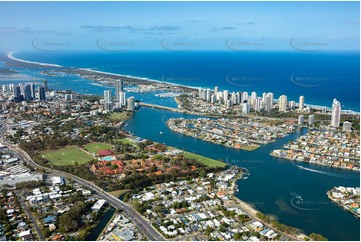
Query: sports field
pixel 67 156
pixel 96 146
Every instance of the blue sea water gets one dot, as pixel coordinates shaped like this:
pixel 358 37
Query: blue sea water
pixel 319 76
pixel 274 184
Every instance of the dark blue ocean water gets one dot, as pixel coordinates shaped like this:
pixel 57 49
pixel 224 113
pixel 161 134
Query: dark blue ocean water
pixel 319 76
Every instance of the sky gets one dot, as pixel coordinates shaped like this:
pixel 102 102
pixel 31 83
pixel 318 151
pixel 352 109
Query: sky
pixel 179 26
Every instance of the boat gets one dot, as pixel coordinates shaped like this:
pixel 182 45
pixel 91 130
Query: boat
pixel 160 132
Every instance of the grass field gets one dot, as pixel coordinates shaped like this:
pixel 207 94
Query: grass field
pixel 127 141
pixel 118 193
pixel 204 160
pixel 96 146
pixel 250 147
pixel 67 156
pixel 119 116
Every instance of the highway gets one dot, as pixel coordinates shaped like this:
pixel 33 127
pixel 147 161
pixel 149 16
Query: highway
pixel 136 218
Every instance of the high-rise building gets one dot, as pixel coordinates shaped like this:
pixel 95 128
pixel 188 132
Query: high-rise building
pixel 347 126
pixel 244 96
pixel 27 93
pixel 225 96
pixel 216 89
pixel 267 103
pixel 245 107
pixel 42 96
pixel 301 119
pixel 33 90
pixel 336 113
pixel 17 93
pixel 130 104
pixel 208 95
pixel 311 119
pixel 122 99
pixel 45 85
pixel 108 101
pixel 118 89
pixel 282 103
pixel 301 103
pixel 108 96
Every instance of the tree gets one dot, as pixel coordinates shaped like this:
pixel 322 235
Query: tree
pixel 317 237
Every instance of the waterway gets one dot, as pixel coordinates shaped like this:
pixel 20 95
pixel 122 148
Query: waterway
pixel 294 195
pixel 277 187
pixel 105 218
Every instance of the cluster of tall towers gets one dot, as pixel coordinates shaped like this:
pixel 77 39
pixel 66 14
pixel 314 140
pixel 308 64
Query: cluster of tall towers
pixel 26 92
pixel 120 98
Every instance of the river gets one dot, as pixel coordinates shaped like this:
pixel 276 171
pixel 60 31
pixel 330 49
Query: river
pixel 280 188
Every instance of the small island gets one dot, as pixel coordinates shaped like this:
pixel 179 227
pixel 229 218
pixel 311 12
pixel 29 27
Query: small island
pixel 241 133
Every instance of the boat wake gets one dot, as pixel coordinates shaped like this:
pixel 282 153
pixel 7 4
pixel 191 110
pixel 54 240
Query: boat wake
pixel 351 177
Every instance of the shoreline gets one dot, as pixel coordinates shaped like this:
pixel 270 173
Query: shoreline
pixel 341 206
pixel 314 163
pixel 247 208
pixel 193 88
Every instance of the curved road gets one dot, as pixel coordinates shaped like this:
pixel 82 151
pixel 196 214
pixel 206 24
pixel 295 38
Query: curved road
pixel 138 220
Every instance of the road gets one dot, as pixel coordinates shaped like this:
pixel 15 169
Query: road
pixel 31 217
pixel 137 219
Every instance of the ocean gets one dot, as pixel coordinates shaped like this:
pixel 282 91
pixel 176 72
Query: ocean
pixel 273 185
pixel 319 76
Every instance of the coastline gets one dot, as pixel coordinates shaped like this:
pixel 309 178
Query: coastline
pixel 135 78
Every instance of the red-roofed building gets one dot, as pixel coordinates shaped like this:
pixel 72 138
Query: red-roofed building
pixel 105 152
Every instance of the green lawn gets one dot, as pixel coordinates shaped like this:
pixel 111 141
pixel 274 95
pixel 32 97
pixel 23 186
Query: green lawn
pixel 204 160
pixel 96 146
pixel 127 141
pixel 250 147
pixel 119 116
pixel 67 156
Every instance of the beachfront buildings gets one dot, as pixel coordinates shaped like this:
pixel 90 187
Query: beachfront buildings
pixel 118 89
pixel 336 113
pixel 282 103
pixel 301 103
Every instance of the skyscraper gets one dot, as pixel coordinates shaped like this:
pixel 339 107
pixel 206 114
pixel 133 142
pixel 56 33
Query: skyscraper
pixel 311 119
pixel 301 103
pixel 301 119
pixel 282 103
pixel 122 99
pixel 33 90
pixel 216 89
pixel 336 113
pixel 118 89
pixel 130 104
pixel 108 102
pixel 42 96
pixel 45 85
pixel 17 93
pixel 27 92
pixel 245 107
